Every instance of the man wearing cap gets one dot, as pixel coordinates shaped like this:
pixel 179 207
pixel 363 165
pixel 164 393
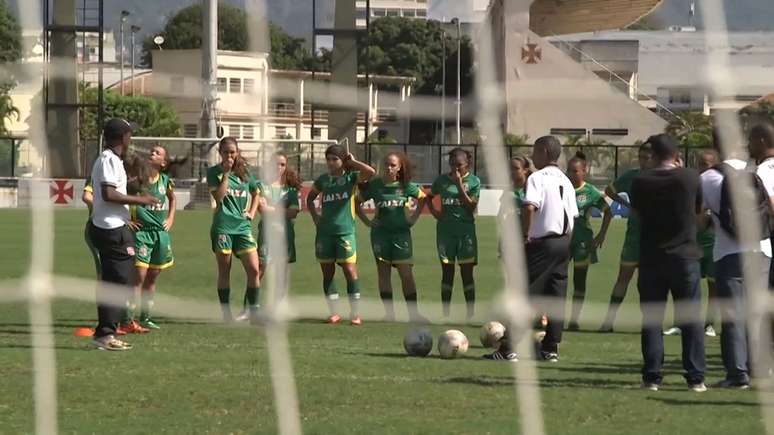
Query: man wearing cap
pixel 110 233
pixel 668 201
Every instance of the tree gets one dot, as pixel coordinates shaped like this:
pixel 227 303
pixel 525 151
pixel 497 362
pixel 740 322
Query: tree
pixel 693 129
pixel 511 139
pixel 184 31
pixel 399 46
pixel 153 117
pixel 10 51
pixel 762 111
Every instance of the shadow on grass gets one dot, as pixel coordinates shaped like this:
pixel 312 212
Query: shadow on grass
pixel 668 401
pixel 58 347
pixel 12 331
pixel 505 381
pixel 432 356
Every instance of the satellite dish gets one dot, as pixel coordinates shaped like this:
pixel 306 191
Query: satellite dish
pixel 158 40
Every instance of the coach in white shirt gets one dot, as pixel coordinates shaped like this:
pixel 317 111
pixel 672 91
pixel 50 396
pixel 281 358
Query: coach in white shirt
pixel 729 279
pixel 549 212
pixel 110 233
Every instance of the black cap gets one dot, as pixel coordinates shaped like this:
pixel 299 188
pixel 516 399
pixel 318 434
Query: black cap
pixel 116 128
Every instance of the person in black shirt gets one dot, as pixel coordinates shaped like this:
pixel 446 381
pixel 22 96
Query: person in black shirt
pixel 668 199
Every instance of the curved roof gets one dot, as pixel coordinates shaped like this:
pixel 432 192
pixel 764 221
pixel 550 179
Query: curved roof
pixel 557 17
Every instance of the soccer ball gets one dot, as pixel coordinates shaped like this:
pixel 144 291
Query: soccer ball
pixel 418 342
pixel 452 343
pixel 491 334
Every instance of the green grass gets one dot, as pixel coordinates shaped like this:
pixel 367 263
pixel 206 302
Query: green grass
pixel 198 378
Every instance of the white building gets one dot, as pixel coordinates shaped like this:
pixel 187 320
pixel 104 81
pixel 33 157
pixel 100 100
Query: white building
pixel 546 91
pixel 669 69
pixel 391 8
pixel 256 102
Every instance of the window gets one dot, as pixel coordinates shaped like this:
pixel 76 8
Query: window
pixel 248 85
pixel 610 131
pixel 409 13
pixel 235 85
pixel 234 131
pixel 177 84
pixel 421 13
pixel 361 14
pixel 393 13
pixel 190 130
pixel 568 132
pixel 248 132
pixel 378 12
pixel 222 84
pixel 679 97
pixel 317 133
pixel 280 132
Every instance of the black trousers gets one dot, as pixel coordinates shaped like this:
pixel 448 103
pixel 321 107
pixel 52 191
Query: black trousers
pixel 116 252
pixel 547 264
pixel 681 277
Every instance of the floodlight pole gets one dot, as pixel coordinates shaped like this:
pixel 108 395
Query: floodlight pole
pixel 459 76
pixel 443 89
pixel 124 14
pixel 134 29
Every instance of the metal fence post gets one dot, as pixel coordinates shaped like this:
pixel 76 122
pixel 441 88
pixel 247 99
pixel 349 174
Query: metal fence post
pixel 13 158
pixel 615 174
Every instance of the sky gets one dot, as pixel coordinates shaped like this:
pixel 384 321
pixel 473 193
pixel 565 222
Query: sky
pixel 295 15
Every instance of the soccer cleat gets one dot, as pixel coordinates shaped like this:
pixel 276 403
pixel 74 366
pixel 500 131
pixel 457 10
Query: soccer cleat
pixel 733 385
pixel 697 388
pixel 356 321
pixel 605 328
pixel 502 356
pixel 672 331
pixel 135 328
pixel 110 343
pixel 225 310
pixel 146 322
pixel 333 319
pixel 244 316
pixel 650 386
pixel 549 356
pixel 709 331
pixel 573 326
pixel 122 329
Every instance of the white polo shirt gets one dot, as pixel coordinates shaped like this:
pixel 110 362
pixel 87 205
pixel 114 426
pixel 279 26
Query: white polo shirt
pixel 766 172
pixel 109 169
pixel 553 209
pixel 711 185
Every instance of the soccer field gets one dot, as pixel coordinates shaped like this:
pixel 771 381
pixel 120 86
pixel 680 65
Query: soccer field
pixel 196 377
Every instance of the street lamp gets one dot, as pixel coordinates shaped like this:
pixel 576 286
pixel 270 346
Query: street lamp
pixel 443 90
pixel 124 15
pixel 458 103
pixel 134 30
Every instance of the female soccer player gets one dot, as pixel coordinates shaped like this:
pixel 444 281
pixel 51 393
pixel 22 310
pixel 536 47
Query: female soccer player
pixel 456 228
pixel 335 241
pixel 520 170
pixel 630 253
pixel 393 194
pixel 282 194
pixel 153 245
pixel 584 244
pixel 231 185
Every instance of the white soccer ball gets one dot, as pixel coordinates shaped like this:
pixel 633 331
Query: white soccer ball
pixel 491 334
pixel 418 342
pixel 452 344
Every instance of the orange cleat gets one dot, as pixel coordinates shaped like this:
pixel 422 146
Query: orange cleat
pixel 122 330
pixel 356 321
pixel 83 332
pixel 334 319
pixel 133 328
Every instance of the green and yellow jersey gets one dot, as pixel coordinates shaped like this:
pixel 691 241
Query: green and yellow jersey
pixel 392 202
pixel 337 195
pixel 455 217
pixel 624 184
pixel 587 197
pixel 152 217
pixel 229 217
pixel 275 195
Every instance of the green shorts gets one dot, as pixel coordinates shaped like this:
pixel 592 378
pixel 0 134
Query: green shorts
pixel 392 247
pixel 237 244
pixel 460 248
pixel 630 253
pixel 336 248
pixel 153 249
pixel 263 247
pixel 583 253
pixel 707 264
